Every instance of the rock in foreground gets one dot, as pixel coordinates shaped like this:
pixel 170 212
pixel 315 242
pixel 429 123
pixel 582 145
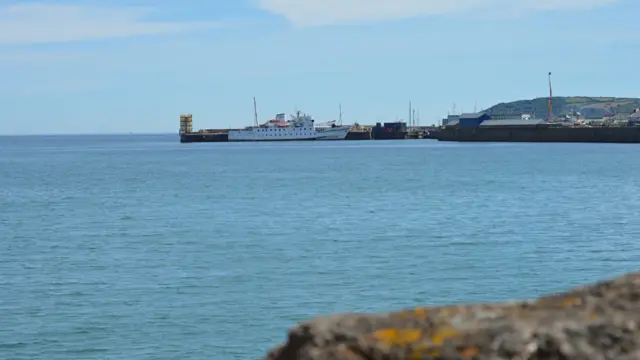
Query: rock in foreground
pixel 600 321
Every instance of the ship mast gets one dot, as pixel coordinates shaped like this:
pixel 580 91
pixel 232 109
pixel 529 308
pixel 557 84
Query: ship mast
pixel 550 99
pixel 340 118
pixel 413 118
pixel 255 111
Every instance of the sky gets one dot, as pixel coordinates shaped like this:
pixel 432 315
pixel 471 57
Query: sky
pixel 121 66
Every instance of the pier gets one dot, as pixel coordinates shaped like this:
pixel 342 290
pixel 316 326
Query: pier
pixel 542 133
pixel 394 130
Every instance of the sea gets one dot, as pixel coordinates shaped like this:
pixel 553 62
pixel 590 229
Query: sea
pixel 139 247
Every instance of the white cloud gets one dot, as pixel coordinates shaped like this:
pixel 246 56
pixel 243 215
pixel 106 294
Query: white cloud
pixel 48 23
pixel 325 12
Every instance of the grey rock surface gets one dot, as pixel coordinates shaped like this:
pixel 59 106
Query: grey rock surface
pixel 598 322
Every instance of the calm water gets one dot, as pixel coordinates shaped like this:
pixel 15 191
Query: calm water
pixel 138 247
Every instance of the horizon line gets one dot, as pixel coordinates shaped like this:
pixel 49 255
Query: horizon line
pixel 90 134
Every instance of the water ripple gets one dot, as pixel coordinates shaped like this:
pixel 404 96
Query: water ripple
pixel 138 247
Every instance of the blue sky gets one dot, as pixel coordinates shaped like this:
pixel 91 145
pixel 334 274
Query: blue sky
pixel 119 66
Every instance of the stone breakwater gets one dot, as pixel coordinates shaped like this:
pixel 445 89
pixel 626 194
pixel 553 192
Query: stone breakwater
pixel 600 321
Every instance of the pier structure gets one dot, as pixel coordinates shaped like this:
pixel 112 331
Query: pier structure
pixel 186 124
pixel 187 135
pixel 381 131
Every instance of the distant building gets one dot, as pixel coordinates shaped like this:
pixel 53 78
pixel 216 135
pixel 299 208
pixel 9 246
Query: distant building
pixel 452 122
pixel 473 119
pixel 513 122
pixel 512 116
pixel 450 119
pixel 634 118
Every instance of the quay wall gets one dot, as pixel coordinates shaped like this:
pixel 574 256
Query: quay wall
pixel 542 134
pixel 204 137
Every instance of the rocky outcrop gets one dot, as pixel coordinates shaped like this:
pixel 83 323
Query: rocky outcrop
pixel 600 321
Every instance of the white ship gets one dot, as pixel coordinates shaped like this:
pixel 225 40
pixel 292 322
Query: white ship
pixel 300 127
pixel 332 131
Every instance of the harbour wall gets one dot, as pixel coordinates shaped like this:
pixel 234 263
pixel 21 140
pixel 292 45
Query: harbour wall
pixel 204 137
pixel 360 133
pixel 629 134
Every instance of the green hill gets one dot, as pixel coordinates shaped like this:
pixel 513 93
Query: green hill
pixel 594 107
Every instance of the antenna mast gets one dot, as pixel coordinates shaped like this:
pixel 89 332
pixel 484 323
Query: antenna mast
pixel 413 118
pixel 340 118
pixel 255 111
pixel 550 99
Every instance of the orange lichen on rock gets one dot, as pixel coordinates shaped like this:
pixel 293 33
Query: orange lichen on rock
pixel 440 336
pixel 417 313
pixel 484 331
pixel 419 353
pixel 421 312
pixel 564 302
pixel 399 337
pixel 470 351
pixel 571 301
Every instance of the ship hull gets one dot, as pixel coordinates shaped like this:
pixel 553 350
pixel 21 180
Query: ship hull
pixel 389 135
pixel 390 131
pixel 289 134
pixel 335 133
pixel 272 140
pixel 273 134
pixel 358 135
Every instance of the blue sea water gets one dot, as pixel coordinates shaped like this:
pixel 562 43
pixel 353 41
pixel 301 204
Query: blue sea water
pixel 138 247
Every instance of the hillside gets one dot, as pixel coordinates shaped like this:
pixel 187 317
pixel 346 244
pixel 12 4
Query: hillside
pixel 590 107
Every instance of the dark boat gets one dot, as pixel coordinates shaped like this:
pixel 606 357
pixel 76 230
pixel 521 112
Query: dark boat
pixel 359 132
pixel 389 131
pixel 430 134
